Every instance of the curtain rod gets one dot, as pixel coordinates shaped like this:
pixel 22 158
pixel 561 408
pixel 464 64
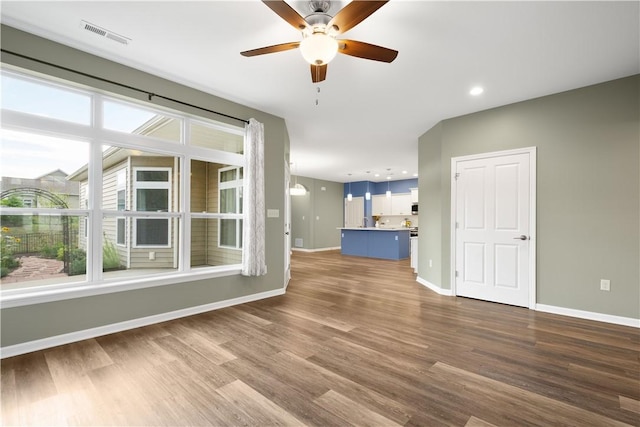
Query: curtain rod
pixel 149 94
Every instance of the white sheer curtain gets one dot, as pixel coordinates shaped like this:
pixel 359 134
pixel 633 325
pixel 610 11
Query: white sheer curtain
pixel 253 232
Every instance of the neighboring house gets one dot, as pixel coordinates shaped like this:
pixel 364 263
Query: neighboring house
pixel 135 181
pixel 54 182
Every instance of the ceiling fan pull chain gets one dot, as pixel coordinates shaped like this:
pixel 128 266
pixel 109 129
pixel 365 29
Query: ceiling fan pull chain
pixel 318 91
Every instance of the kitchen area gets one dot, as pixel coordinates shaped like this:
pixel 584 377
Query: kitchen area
pixel 381 220
pixel 378 220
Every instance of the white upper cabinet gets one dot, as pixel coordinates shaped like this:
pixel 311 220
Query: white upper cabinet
pixel 401 204
pixel 397 204
pixel 380 205
pixel 414 195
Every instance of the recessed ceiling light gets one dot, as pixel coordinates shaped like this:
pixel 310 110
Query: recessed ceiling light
pixel 476 91
pixel 415 174
pixel 404 172
pixel 377 175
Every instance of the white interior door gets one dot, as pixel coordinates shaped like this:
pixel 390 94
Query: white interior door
pixel 493 213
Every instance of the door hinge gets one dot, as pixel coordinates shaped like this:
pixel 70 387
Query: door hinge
pixel 456 176
pixel 456 273
pixel 457 225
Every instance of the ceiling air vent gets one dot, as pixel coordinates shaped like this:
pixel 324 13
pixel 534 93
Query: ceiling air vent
pixel 104 32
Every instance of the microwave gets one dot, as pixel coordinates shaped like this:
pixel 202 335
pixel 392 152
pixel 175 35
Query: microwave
pixel 414 209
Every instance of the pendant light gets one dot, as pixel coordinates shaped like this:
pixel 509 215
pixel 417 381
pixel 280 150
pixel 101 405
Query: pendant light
pixel 367 195
pixel 349 196
pixel 388 187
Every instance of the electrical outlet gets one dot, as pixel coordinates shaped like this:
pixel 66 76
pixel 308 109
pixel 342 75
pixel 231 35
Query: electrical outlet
pixel 605 284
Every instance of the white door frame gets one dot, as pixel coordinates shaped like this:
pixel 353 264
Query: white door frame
pixel 532 214
pixel 287 223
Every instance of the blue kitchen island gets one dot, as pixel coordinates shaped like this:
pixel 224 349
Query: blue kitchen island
pixel 384 243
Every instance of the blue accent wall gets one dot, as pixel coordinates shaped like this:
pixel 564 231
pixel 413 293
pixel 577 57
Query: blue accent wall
pixel 358 188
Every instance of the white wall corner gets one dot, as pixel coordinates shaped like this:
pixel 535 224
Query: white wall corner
pixel 434 288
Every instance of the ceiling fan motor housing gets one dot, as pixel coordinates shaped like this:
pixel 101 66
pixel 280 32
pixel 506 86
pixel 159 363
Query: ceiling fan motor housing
pixel 319 6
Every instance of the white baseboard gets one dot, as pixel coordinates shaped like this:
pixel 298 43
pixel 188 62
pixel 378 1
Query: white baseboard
pixel 589 315
pixel 41 344
pixel 315 250
pixel 434 288
pixel 580 314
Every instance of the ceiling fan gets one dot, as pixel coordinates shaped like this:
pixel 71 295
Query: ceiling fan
pixel 319 30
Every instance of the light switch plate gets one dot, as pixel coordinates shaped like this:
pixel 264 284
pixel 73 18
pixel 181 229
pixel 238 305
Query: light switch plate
pixel 273 213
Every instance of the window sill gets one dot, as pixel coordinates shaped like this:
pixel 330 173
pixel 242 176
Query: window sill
pixel 39 296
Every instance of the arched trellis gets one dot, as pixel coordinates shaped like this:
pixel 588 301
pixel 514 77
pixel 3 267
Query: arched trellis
pixel 56 202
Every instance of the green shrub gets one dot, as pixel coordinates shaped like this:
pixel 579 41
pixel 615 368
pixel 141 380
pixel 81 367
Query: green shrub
pixel 7 264
pixel 8 261
pixel 77 262
pixel 51 251
pixel 12 201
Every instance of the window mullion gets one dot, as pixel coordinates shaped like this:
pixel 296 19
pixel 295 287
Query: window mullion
pixel 94 248
pixel 184 261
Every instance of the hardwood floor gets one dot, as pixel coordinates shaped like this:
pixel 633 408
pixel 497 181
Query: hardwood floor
pixel 353 342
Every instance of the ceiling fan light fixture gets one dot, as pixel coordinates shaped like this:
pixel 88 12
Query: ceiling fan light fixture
pixel 318 48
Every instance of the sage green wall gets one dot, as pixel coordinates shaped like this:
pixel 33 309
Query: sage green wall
pixel 588 190
pixel 430 213
pixel 32 322
pixel 316 216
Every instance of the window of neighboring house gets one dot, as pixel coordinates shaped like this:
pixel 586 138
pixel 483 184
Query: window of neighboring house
pixel 121 205
pixel 152 192
pixel 230 199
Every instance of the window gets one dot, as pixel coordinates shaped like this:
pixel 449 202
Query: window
pixel 230 191
pixel 152 194
pixel 121 205
pixel 127 219
pixel 26 95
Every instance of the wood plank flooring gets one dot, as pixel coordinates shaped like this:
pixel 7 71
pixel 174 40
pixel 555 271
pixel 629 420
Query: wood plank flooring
pixel 353 342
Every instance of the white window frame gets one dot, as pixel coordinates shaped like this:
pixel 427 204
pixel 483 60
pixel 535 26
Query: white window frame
pixel 236 184
pixel 121 185
pixel 93 212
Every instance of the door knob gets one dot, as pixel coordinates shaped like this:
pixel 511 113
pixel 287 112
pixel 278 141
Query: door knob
pixel 522 237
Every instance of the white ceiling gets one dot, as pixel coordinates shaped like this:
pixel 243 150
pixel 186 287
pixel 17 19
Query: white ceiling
pixel 369 114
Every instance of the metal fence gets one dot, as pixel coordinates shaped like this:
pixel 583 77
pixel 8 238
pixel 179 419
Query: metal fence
pixel 38 242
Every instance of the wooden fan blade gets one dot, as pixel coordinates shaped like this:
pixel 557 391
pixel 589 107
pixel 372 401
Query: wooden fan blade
pixel 318 73
pixel 286 12
pixel 271 49
pixel 353 14
pixel 366 50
